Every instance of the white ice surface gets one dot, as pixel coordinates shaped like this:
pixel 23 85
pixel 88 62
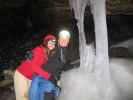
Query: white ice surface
pixel 79 85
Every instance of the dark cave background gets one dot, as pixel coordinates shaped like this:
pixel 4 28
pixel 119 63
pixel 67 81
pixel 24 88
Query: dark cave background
pixel 23 22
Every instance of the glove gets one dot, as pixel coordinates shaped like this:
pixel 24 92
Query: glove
pixel 55 77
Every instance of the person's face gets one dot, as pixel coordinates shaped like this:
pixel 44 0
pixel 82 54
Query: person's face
pixel 63 42
pixel 51 44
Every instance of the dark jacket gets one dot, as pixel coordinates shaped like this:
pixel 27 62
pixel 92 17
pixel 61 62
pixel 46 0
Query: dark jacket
pixel 54 63
pixel 57 63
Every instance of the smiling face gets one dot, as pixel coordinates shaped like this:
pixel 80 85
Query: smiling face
pixel 49 41
pixel 63 42
pixel 51 44
pixel 64 38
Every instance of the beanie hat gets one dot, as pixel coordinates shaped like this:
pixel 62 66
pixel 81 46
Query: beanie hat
pixel 49 37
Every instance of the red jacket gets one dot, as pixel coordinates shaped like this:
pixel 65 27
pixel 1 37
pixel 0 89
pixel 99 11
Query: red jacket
pixel 29 67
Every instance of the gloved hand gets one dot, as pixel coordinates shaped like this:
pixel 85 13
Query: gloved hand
pixel 55 77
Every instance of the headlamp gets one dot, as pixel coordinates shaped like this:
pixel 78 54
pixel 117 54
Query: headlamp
pixel 64 34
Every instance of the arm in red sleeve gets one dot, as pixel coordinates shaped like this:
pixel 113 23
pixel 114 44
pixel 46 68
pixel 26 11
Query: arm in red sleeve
pixel 37 61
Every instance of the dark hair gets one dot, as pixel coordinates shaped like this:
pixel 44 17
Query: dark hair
pixel 53 52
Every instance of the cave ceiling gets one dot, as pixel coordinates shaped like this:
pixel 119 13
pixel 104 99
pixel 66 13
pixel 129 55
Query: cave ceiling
pixel 113 6
pixel 56 11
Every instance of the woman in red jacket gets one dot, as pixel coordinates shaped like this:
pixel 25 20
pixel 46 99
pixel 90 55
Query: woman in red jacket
pixel 32 65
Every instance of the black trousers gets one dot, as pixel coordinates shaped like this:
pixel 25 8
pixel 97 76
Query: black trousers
pixel 49 96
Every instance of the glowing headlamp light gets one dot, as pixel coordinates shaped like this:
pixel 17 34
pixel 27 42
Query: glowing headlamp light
pixel 64 34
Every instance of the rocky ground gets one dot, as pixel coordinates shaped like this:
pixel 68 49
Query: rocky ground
pixel 7 93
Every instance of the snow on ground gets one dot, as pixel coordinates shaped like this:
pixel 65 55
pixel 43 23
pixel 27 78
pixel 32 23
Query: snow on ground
pixel 127 44
pixel 78 85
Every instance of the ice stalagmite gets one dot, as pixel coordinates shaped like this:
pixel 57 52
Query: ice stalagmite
pixel 94 80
